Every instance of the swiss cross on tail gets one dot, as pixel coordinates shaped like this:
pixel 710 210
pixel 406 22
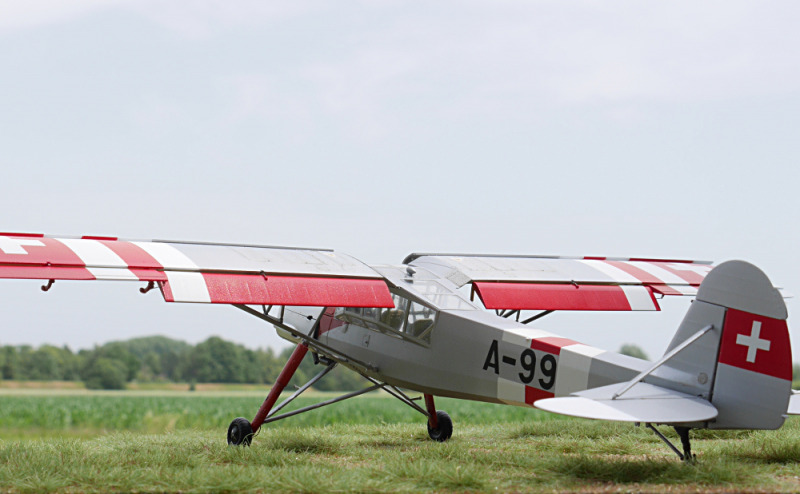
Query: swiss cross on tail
pixel 756 343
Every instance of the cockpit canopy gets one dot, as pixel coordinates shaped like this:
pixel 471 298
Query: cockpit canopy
pixel 408 319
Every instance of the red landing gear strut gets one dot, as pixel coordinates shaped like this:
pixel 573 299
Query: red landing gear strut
pixel 241 431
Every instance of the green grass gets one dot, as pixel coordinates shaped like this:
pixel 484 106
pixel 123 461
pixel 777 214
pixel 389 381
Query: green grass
pixel 161 442
pixel 91 413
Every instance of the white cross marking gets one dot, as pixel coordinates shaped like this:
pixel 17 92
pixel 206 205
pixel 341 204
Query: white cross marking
pixel 14 245
pixel 753 342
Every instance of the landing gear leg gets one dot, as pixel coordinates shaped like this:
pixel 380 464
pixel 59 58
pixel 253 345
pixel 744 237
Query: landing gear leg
pixel 241 431
pixel 683 433
pixel 440 425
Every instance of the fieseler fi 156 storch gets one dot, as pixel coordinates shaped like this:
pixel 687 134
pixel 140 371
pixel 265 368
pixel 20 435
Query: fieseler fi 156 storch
pixel 460 326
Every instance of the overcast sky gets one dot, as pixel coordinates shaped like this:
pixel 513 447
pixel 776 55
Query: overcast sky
pixel 658 129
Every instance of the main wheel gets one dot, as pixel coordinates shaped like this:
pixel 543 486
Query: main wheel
pixel 445 427
pixel 240 432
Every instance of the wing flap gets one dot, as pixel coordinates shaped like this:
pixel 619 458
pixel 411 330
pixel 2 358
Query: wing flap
pixel 642 403
pixel 553 296
pixel 227 288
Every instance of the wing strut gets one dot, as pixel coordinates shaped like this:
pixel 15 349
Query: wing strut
pixel 662 361
pixel 518 313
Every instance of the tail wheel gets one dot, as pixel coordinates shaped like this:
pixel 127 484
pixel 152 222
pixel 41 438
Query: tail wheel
pixel 240 433
pixel 444 428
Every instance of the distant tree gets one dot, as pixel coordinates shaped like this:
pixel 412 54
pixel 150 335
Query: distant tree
pixel 151 367
pixel 46 363
pixel 147 358
pixel 268 365
pixel 216 360
pixel 171 364
pixel 118 351
pixel 9 362
pixel 104 366
pixel 70 364
pixel 159 345
pixel 22 367
pixel 105 373
pixel 154 358
pixel 633 351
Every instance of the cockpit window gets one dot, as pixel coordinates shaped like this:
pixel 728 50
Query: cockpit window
pixel 407 319
pixel 420 320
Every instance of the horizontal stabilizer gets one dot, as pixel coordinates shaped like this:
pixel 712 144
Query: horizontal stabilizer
pixel 642 403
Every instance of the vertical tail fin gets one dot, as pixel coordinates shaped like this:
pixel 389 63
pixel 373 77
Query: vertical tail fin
pixel 744 366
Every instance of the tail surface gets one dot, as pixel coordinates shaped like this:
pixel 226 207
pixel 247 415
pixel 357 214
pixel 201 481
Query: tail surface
pixel 729 366
pixel 751 369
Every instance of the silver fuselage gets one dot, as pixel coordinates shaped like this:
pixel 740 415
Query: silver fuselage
pixel 467 352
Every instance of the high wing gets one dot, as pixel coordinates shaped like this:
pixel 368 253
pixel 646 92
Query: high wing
pixel 251 274
pixel 200 272
pixel 567 283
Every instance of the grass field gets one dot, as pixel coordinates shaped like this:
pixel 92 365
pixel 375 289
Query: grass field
pixel 74 440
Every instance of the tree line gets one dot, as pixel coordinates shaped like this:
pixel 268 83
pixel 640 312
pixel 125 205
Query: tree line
pixel 162 359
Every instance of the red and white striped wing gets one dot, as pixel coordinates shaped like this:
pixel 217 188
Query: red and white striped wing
pixel 561 283
pixel 205 273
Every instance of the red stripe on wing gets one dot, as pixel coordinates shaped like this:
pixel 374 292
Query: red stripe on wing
pixel 665 289
pixel 97 237
pixel 637 273
pixel 40 258
pixel 51 252
pixel 226 288
pixel 139 262
pixel 551 296
pixel 690 276
pixel 29 235
pixel 45 273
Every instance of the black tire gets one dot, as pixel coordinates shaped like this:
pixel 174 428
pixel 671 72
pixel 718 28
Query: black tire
pixel 239 432
pixel 445 427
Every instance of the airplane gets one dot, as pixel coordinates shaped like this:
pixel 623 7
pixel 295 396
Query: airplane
pixel 459 326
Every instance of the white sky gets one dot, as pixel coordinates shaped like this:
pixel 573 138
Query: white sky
pixel 660 129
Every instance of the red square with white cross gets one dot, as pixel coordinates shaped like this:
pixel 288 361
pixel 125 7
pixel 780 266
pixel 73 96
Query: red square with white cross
pixel 756 343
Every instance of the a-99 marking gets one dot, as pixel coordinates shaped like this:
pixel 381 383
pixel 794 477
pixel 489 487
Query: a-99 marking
pixel 547 365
